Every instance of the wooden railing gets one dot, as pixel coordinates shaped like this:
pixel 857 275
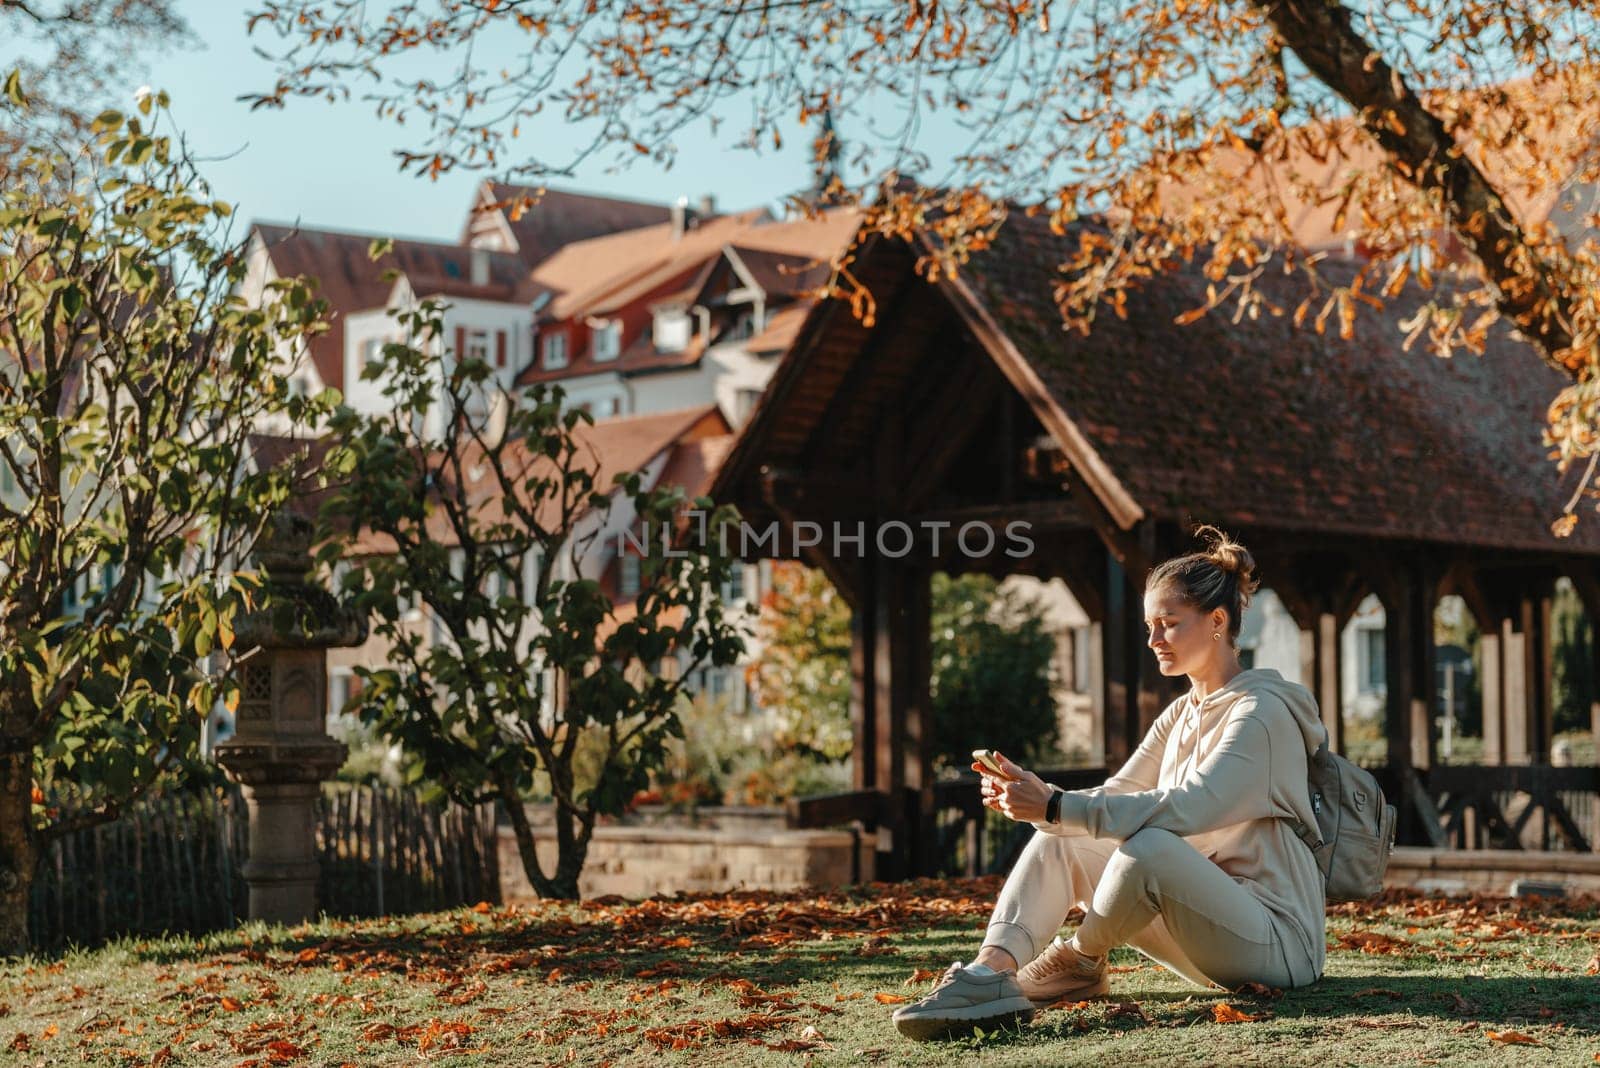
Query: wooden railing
pixel 968 839
pixel 174 864
pixel 1451 806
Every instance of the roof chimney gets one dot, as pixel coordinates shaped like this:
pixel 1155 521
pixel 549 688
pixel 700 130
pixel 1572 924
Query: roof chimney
pixel 708 206
pixel 480 266
pixel 680 217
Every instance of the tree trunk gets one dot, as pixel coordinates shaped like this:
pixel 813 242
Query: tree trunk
pixel 19 851
pixel 571 851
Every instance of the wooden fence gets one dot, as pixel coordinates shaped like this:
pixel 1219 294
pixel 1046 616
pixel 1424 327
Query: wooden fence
pixel 174 864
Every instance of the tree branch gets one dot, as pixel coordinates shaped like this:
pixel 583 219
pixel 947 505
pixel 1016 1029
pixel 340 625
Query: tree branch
pixel 1423 151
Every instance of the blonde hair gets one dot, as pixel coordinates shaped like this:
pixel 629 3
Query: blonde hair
pixel 1223 576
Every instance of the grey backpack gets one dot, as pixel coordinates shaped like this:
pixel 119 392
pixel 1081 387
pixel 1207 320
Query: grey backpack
pixel 1355 827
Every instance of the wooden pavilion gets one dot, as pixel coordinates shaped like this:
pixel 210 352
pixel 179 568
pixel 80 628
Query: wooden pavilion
pixel 1347 467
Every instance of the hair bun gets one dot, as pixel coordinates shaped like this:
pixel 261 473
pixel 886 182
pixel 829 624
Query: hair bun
pixel 1230 556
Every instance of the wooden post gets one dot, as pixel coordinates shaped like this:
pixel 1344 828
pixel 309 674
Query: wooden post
pixel 1399 664
pixel 913 675
pixel 1424 704
pixel 863 721
pixel 1327 677
pixel 1121 714
pixel 1540 651
pixel 1514 694
pixel 1494 722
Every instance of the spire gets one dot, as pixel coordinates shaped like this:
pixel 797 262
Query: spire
pixel 827 155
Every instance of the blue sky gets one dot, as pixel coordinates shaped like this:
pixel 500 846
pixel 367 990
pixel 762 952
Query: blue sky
pixel 332 165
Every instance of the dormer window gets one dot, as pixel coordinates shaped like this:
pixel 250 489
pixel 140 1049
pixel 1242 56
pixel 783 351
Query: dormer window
pixel 673 328
pixel 555 352
pixel 478 345
pixel 607 339
pixel 743 325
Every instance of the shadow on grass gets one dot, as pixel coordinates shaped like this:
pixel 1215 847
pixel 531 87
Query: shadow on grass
pixel 1573 1000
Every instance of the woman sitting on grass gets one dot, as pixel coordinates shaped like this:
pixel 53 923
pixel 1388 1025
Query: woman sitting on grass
pixel 1188 854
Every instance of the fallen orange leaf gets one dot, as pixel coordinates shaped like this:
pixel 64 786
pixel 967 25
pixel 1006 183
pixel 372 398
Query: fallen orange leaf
pixel 1225 1013
pixel 230 1005
pixel 1593 968
pixel 890 999
pixel 1513 1038
pixel 483 908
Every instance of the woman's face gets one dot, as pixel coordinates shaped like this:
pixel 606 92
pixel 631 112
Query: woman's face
pixel 1180 634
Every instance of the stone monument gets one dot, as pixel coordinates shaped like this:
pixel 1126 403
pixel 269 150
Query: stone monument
pixel 280 752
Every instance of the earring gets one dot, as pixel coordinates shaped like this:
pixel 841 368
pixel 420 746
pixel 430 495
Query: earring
pixel 1216 636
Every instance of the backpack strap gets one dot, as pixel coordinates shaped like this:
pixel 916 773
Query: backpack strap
pixel 1311 836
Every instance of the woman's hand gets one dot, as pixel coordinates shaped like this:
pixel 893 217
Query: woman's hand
pixel 1021 797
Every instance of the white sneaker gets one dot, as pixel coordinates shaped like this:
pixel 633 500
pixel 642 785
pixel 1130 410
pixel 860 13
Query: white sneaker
pixel 963 1000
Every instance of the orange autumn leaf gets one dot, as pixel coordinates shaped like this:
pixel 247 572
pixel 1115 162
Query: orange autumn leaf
pixel 921 975
pixel 283 1051
pixel 1512 1038
pixel 231 1005
pixel 1224 1013
pixel 1593 967
pixel 483 908
pixel 890 999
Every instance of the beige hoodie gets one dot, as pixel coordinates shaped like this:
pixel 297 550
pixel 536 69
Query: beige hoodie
pixel 1228 772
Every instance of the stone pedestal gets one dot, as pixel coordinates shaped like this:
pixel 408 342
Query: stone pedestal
pixel 280 752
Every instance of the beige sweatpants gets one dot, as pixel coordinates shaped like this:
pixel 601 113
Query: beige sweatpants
pixel 1154 892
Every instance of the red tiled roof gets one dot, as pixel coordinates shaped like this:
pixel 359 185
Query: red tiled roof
pixel 560 218
pixel 1259 424
pixel 783 273
pixel 602 276
pixel 693 464
pixel 587 275
pixel 781 328
pixel 350 281
pixel 1252 424
pixel 608 447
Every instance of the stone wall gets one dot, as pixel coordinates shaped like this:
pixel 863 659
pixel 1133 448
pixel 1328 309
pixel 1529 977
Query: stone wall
pixel 640 860
pixel 1492 871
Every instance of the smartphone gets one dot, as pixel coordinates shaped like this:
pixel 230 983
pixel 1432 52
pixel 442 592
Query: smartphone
pixel 987 757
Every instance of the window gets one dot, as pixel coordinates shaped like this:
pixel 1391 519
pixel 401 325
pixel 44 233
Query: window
pixel 555 352
pixel 744 402
pixel 609 406
pixel 672 330
pixel 733 589
pixel 628 580
pixel 607 340
pixel 371 351
pixel 1081 647
pixel 1376 675
pixel 478 345
pixel 340 691
pixel 530 576
pixel 743 325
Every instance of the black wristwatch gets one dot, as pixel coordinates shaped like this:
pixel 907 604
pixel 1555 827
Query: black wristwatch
pixel 1052 807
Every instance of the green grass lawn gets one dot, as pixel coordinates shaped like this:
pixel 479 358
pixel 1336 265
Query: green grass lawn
pixel 752 979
